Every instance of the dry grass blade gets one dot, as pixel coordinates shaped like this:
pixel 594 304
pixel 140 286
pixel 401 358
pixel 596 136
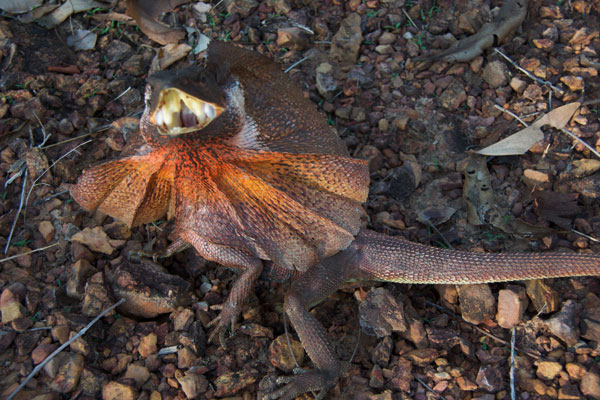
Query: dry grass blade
pixel 28 252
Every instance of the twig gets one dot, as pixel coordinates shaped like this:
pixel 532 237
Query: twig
pixel 512 114
pixel 294 65
pixel 590 148
pixel 529 74
pixel 14 224
pixel 593 239
pixel 409 18
pixel 426 386
pixel 52 165
pixel 37 203
pixel 28 252
pixel 66 141
pixel 121 95
pixel 482 331
pixel 513 392
pixel 61 348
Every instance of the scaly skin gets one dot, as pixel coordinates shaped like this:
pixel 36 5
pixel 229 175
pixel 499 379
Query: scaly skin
pixel 268 186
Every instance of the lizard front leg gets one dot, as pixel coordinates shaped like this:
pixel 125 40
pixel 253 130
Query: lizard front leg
pixel 230 257
pixel 306 291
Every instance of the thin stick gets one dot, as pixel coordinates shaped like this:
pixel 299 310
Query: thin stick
pixel 52 165
pixel 593 239
pixel 529 74
pixel 28 252
pixel 590 148
pixel 288 69
pixel 66 141
pixel 426 386
pixel 513 392
pixel 512 114
pixel 410 19
pixel 14 224
pixel 61 348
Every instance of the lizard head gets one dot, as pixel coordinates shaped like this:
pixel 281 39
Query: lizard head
pixel 183 101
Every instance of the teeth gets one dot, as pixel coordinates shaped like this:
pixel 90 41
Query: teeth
pixel 158 117
pixel 209 111
pixel 168 117
pixel 188 118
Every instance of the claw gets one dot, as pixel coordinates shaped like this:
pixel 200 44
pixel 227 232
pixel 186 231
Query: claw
pixel 304 381
pixel 226 319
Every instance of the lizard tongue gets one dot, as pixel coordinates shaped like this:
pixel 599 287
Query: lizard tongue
pixel 188 118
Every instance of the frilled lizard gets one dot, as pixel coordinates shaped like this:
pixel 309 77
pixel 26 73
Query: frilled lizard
pixel 256 179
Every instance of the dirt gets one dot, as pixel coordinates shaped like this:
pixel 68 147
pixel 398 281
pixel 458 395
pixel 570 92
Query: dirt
pixel 415 121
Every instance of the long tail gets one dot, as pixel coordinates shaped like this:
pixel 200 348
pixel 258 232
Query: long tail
pixel 396 260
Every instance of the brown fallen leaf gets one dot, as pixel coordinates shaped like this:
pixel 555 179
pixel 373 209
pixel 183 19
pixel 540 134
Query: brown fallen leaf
pixel 168 55
pixel 19 6
pixel 520 142
pixel 511 15
pixel 146 13
pixel 556 207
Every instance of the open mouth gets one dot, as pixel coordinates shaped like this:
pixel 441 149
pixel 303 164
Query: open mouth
pixel 177 112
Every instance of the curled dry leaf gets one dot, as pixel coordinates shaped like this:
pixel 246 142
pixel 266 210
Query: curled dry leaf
pixel 63 12
pixel 168 55
pixel 522 141
pixel 19 6
pixel 82 39
pixel 511 15
pixel 146 13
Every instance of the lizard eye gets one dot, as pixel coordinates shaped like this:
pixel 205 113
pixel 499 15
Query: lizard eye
pixel 177 112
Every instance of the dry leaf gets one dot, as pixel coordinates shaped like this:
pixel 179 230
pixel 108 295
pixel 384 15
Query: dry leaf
pixel 522 141
pixel 146 12
pixel 63 12
pixel 168 55
pixel 511 15
pixel 82 40
pixel 19 6
pixel 585 167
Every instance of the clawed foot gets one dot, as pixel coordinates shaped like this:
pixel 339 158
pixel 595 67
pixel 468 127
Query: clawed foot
pixel 226 319
pixel 137 255
pixel 305 381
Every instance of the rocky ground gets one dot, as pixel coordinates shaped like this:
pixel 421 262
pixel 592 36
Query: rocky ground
pixel 63 109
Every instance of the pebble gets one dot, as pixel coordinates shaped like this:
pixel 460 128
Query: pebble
pixel 590 385
pixel 495 74
pixel 548 370
pixel 477 304
pixel 347 40
pixel 118 391
pixel 512 303
pixel 279 353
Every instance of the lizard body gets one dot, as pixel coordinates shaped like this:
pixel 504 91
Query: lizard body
pixel 255 179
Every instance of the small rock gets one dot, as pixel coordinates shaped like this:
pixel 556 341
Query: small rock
pixel 78 275
pixel 185 357
pixel 10 306
pixel 542 296
pixel 548 370
pixel 575 371
pixel 373 155
pixel 138 373
pixel 281 6
pixel 422 357
pixel 387 38
pixel 47 230
pixel 495 74
pixel 232 382
pixel 573 82
pixel 544 44
pixel 532 177
pixel 477 303
pixel 490 379
pixel 347 40
pixel 94 238
pixel 148 290
pixel 193 385
pixel 324 80
pixel 147 345
pixel 384 49
pixel 292 38
pixel 569 392
pixel 242 7
pixel 376 377
pixel 383 351
pixel 402 375
pixel 68 367
pixel 60 333
pixel 590 385
pixel 381 314
pixel 96 297
pixel 79 345
pixel 466 384
pixel 279 353
pixel 183 320
pixel 562 324
pixel 454 95
pixel 118 391
pixel 518 85
pixel 42 351
pixel 358 114
pixel 512 303
pixel 533 92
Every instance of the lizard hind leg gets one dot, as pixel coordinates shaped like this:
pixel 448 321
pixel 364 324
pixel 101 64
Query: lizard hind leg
pixel 306 291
